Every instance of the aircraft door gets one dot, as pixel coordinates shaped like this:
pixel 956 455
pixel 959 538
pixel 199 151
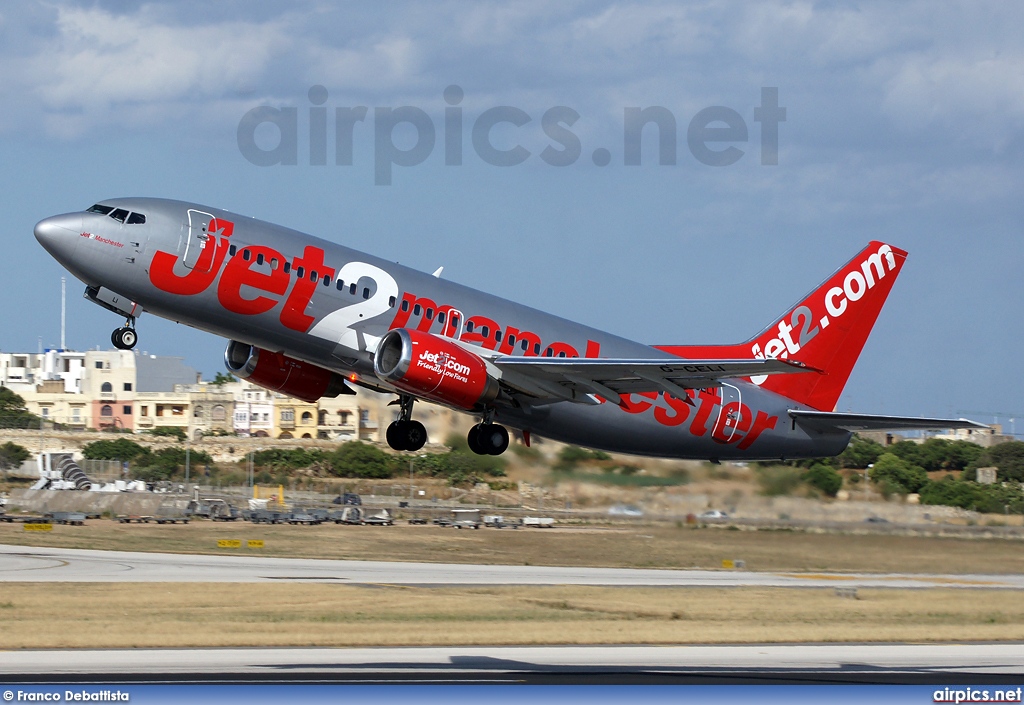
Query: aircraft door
pixel 453 324
pixel 730 412
pixel 197 238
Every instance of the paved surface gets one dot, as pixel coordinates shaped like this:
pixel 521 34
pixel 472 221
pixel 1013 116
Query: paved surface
pixel 30 564
pixel 759 663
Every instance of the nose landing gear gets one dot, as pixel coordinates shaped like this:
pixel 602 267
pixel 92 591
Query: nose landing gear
pixel 125 337
pixel 406 434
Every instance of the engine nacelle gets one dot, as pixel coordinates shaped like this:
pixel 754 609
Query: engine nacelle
pixel 434 367
pixel 280 373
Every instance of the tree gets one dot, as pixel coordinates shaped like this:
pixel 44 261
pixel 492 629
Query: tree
pixel 12 456
pixel 13 413
pixel 1007 457
pixel 221 379
pixel 824 478
pixel 893 474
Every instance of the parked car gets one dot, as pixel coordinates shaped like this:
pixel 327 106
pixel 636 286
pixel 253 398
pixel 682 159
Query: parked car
pixel 713 514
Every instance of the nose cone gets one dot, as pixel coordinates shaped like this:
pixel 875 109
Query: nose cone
pixel 59 234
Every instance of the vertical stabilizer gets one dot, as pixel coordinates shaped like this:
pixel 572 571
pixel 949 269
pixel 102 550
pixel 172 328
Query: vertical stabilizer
pixel 826 330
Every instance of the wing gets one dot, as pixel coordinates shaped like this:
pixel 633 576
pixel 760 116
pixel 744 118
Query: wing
pixel 831 421
pixel 578 379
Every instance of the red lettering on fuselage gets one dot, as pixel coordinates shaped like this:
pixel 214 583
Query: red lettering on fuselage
pixel 312 267
pixel 239 272
pixel 203 272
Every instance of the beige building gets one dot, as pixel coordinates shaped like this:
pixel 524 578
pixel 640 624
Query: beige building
pixel 293 418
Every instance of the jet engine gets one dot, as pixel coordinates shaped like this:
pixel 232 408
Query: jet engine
pixel 280 373
pixel 430 366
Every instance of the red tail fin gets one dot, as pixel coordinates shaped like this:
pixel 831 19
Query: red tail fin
pixel 826 330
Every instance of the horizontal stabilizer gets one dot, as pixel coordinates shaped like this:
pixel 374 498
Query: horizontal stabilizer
pixel 831 421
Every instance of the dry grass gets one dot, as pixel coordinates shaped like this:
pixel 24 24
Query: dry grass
pixel 179 615
pixel 659 546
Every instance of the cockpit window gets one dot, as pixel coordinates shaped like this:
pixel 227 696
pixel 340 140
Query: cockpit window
pixel 120 214
pixel 102 210
pixel 136 219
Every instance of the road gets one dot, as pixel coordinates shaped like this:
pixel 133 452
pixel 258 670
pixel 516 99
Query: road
pixel 31 564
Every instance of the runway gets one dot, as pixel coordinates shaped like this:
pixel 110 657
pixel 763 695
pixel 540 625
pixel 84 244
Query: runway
pixel 776 663
pixel 794 663
pixel 31 564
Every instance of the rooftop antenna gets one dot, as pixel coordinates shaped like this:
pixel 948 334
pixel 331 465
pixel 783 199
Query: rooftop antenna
pixel 63 310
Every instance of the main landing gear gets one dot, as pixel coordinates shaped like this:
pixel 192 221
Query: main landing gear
pixel 488 439
pixel 406 434
pixel 125 337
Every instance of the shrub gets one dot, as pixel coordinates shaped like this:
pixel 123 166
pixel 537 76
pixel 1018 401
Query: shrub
pixel 824 478
pixel 778 481
pixel 169 432
pixel 893 474
pixel 358 459
pixel 122 449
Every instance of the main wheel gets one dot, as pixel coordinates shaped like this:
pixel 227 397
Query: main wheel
pixel 415 435
pixel 473 440
pixel 493 439
pixel 396 435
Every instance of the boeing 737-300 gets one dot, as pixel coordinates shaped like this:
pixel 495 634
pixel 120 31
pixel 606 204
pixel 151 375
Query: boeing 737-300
pixel 308 318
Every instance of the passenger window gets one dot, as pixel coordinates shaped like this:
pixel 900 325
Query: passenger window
pixel 341 285
pixel 416 310
pixel 102 210
pixel 561 354
pixel 274 263
pixel 327 280
pixel 352 289
pixel 287 267
pixel 547 352
pixel 511 341
pixel 391 302
pixel 313 276
pixel 485 332
pixel 119 215
pixel 455 322
pixel 469 327
pixel 440 317
pixel 232 250
pixel 430 314
pixel 366 292
pixel 300 272
pixel 246 255
pixel 536 348
pixel 525 344
pixel 136 219
pixel 259 258
pixel 497 335
pixel 405 305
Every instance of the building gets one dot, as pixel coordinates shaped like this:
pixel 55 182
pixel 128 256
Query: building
pixel 254 411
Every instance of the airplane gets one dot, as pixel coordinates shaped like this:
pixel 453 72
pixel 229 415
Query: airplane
pixel 309 318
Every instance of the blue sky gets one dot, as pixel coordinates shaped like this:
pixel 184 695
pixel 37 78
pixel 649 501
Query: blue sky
pixel 904 122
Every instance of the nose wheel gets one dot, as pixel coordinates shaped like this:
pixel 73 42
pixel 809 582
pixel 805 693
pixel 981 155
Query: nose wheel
pixel 125 337
pixel 488 439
